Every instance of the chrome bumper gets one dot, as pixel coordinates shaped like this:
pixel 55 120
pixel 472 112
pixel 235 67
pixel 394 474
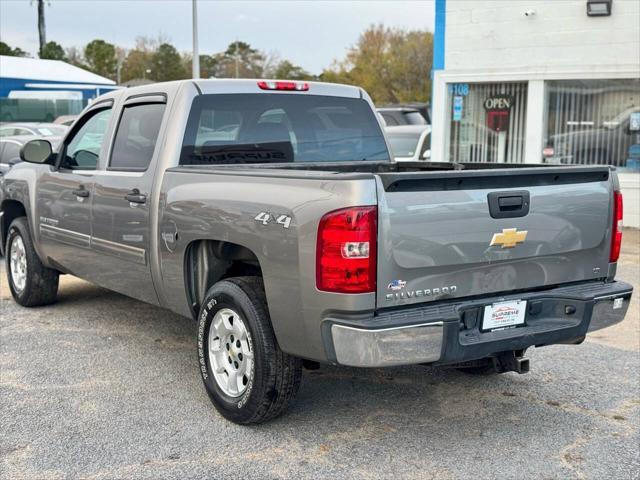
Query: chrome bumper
pixel 387 347
pixel 438 334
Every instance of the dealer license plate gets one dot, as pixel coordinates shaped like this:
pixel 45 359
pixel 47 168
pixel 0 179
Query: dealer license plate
pixel 504 315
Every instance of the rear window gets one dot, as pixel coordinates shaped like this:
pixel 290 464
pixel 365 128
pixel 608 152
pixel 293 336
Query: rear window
pixel 415 118
pixel 403 144
pixel 281 128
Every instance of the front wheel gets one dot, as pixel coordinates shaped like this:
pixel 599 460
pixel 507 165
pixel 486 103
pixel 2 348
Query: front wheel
pixel 31 283
pixel 246 375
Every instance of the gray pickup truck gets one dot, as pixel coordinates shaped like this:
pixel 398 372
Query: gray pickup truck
pixel 272 213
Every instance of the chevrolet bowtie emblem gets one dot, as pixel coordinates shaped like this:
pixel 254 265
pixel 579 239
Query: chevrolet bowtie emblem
pixel 509 238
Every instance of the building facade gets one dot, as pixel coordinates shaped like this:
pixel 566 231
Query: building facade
pixel 538 81
pixel 41 90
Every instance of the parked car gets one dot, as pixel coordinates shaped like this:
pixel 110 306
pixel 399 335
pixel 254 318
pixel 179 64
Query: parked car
pixel 272 214
pixel 607 143
pixel 410 142
pixel 66 120
pixel 402 116
pixel 33 129
pixel 10 149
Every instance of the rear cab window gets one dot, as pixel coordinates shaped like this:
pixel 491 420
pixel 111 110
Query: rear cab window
pixel 136 136
pixel 281 128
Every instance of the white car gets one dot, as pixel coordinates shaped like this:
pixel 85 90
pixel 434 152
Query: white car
pixel 410 143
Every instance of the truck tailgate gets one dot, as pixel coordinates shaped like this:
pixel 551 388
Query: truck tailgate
pixel 438 236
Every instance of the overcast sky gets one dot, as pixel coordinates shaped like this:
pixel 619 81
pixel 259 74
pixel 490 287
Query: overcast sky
pixel 309 33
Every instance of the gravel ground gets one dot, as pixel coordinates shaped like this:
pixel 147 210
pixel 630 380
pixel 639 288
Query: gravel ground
pixel 100 386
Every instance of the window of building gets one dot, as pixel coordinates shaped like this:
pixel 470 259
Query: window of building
pixel 591 121
pixel 136 137
pixel 487 122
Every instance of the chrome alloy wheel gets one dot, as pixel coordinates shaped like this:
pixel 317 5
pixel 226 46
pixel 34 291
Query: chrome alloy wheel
pixel 18 263
pixel 230 352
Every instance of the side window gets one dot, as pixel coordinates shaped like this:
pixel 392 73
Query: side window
pixel 11 153
pixel 136 136
pixel 83 148
pixel 389 119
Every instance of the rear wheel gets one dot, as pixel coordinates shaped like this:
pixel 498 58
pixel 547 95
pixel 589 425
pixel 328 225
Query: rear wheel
pixel 248 378
pixel 30 282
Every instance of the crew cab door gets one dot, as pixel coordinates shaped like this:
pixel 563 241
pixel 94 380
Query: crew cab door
pixel 63 195
pixel 122 200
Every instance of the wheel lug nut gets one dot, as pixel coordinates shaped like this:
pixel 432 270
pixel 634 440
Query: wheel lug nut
pixel 227 346
pixel 238 343
pixel 240 356
pixel 232 338
pixel 235 364
pixel 229 359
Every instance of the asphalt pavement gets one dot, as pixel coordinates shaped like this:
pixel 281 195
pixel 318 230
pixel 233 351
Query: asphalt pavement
pixel 100 386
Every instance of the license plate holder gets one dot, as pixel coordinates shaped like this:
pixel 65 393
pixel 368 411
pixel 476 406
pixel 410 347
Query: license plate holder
pixel 503 315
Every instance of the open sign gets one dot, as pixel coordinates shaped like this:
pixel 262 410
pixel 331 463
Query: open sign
pixel 498 102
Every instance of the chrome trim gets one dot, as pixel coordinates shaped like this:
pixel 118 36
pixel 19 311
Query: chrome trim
pixel 358 347
pixel 120 250
pixel 63 235
pixel 603 314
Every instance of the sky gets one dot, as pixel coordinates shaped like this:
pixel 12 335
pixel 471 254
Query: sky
pixel 309 33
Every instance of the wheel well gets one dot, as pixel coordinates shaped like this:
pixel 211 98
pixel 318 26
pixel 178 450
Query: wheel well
pixel 209 261
pixel 12 209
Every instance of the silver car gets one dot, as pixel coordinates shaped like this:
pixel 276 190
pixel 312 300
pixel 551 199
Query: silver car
pixel 410 143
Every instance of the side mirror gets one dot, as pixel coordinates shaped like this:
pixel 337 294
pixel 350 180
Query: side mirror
pixel 426 155
pixel 37 151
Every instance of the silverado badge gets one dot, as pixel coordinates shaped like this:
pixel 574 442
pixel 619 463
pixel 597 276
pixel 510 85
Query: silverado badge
pixel 508 238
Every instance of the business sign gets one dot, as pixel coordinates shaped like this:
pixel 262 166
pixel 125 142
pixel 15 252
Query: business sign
pixel 458 103
pixel 498 102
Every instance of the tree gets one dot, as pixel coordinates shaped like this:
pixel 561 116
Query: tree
pixel 53 51
pixel 74 57
pixel 166 64
pixel 136 65
pixel 286 70
pixel 239 60
pixel 393 65
pixel 11 52
pixel 100 57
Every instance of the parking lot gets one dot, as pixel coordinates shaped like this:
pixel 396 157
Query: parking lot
pixel 100 386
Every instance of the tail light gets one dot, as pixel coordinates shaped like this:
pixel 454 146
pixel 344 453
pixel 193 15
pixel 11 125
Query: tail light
pixel 279 85
pixel 616 232
pixel 346 250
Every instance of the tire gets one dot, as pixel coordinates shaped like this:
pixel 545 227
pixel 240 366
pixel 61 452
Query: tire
pixel 267 379
pixel 30 282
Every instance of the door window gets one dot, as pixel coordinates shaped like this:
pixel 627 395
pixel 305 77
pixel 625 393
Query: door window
pixel 83 148
pixel 136 137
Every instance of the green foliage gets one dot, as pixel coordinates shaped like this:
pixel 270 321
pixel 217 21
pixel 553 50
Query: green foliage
pixel 286 70
pixel 166 64
pixel 11 52
pixel 100 58
pixel 53 51
pixel 135 65
pixel 392 65
pixel 239 60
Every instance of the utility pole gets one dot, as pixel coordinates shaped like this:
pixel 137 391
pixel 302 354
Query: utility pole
pixel 195 62
pixel 41 28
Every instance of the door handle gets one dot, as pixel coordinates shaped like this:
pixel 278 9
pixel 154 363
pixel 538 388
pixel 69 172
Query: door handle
pixel 509 204
pixel 134 196
pixel 81 192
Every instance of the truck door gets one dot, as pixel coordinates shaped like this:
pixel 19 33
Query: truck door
pixel 122 201
pixel 63 195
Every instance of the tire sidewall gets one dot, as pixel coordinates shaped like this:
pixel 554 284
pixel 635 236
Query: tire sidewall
pixel 222 295
pixel 17 229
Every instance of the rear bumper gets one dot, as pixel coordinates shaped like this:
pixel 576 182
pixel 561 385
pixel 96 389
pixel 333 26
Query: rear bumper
pixel 449 332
